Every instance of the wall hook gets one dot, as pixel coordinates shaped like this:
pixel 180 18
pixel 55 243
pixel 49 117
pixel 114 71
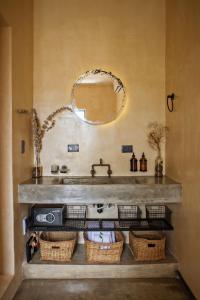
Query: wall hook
pixel 22 111
pixel 172 98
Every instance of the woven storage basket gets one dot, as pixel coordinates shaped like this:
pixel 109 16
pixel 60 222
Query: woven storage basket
pixel 57 246
pixel 148 246
pixel 104 252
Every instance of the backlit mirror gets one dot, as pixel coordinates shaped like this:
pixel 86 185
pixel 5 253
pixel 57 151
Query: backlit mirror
pixel 98 97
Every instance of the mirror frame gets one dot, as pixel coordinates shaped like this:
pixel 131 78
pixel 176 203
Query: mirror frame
pixel 119 87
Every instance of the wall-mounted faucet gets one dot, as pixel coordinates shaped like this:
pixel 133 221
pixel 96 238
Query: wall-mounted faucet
pixel 101 164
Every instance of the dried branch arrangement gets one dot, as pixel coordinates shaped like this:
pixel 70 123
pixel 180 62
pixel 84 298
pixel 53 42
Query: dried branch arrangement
pixel 50 122
pixel 37 135
pixel 156 135
pixel 40 130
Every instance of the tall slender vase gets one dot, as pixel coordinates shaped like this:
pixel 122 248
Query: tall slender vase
pixel 159 166
pixel 37 170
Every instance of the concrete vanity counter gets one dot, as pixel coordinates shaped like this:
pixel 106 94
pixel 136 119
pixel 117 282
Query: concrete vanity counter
pixel 87 190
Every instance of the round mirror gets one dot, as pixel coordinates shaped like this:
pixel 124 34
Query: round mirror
pixel 98 97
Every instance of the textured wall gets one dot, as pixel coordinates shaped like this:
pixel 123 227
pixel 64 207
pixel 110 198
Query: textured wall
pixel 126 38
pixel 182 151
pixel 6 196
pixel 18 15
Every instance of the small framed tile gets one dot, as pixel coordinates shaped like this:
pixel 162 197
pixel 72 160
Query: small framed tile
pixel 73 148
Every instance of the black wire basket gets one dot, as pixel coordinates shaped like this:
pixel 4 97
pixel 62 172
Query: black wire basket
pixel 76 211
pixel 129 216
pixel 157 212
pixel 75 215
pixel 129 212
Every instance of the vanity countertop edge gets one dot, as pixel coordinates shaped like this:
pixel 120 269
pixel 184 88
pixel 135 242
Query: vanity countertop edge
pixel 127 190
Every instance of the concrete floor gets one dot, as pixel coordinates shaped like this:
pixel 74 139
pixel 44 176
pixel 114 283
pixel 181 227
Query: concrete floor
pixel 102 289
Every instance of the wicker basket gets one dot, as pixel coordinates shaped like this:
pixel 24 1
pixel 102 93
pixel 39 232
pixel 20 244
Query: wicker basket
pixel 57 246
pixel 148 246
pixel 104 252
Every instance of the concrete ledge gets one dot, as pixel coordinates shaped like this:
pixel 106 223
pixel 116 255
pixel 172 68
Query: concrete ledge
pixel 99 271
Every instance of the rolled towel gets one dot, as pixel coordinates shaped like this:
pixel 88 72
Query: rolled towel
pixel 92 234
pixel 101 236
pixel 110 224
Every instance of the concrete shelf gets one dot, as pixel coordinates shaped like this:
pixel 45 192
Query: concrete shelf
pixel 79 268
pixel 120 225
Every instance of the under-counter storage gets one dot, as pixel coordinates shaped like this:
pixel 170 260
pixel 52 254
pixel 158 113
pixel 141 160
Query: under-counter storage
pixel 157 218
pixel 129 218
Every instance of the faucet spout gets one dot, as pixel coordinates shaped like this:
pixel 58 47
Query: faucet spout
pixel 101 164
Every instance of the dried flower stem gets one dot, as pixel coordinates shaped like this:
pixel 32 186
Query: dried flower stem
pixel 40 130
pixel 156 136
pixel 50 122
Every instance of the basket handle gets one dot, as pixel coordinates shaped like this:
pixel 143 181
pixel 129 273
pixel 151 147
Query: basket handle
pixel 151 245
pixel 55 247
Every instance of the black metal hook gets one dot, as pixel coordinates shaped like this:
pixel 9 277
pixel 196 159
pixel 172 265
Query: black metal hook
pixel 171 97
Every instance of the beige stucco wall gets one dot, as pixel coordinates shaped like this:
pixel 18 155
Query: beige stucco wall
pixel 18 15
pixel 182 151
pixel 6 195
pixel 126 38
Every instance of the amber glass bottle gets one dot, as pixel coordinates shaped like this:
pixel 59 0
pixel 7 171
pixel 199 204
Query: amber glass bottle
pixel 143 163
pixel 133 163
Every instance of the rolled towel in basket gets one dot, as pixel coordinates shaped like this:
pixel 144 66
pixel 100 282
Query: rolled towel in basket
pixel 110 224
pixel 91 225
pixel 101 236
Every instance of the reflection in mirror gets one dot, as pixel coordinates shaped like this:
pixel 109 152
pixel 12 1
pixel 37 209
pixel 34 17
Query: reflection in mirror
pixel 98 97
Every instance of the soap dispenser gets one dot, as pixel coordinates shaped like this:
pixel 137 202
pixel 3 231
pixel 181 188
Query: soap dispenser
pixel 133 163
pixel 143 163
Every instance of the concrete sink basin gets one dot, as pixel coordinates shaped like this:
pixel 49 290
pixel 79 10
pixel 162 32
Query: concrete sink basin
pixel 97 180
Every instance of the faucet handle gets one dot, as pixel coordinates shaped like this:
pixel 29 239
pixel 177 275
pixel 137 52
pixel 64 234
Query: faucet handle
pixel 64 169
pixel 109 172
pixel 92 172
